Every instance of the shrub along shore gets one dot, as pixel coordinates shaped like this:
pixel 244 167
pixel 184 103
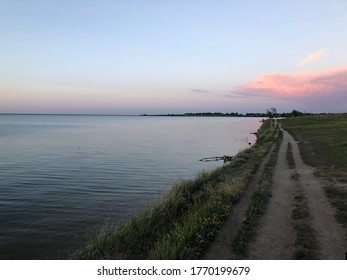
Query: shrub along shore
pixel 184 222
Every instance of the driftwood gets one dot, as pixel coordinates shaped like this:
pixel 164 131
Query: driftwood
pixel 224 158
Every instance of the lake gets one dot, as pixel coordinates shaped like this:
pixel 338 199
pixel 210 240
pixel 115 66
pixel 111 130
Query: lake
pixel 65 177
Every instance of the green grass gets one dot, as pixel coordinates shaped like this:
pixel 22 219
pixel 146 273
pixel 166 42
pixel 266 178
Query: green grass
pixel 306 243
pixel 323 145
pixel 197 230
pixel 322 141
pixel 338 198
pixel 187 218
pixel 289 156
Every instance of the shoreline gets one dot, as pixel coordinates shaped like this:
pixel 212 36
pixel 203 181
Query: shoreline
pixel 183 223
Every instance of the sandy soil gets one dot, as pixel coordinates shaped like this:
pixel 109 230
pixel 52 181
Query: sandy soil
pixel 275 237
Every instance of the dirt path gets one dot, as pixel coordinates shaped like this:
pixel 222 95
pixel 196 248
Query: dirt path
pixel 275 234
pixel 330 234
pixel 221 247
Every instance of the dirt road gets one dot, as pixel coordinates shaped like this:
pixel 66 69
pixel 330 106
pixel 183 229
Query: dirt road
pixel 276 234
pixel 221 248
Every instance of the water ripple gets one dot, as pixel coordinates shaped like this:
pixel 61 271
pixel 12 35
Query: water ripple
pixel 64 177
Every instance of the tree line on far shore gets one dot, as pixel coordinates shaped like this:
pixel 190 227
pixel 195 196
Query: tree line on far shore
pixel 270 113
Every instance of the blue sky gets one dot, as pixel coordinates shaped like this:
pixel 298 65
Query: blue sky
pixel 133 57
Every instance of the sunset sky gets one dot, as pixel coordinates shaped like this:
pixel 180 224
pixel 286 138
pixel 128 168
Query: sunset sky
pixel 136 56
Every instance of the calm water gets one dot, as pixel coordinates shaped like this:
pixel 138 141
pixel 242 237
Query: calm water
pixel 64 177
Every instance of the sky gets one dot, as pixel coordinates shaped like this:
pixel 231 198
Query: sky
pixel 160 57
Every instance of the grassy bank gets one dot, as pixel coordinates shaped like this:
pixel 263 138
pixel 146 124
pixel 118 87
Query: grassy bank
pixel 323 145
pixel 187 218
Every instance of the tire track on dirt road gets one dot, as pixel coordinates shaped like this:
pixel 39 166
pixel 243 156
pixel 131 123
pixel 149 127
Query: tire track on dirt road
pixel 330 234
pixel 276 236
pixel 221 248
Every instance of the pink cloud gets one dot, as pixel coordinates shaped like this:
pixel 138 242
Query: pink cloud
pixel 294 85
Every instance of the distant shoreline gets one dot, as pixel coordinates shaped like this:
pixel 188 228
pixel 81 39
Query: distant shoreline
pixel 142 115
pixel 208 115
pixel 200 114
pixel 148 115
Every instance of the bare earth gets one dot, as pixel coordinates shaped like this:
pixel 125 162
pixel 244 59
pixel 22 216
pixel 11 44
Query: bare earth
pixel 275 237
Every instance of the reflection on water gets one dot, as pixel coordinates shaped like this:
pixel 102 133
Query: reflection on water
pixel 62 177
